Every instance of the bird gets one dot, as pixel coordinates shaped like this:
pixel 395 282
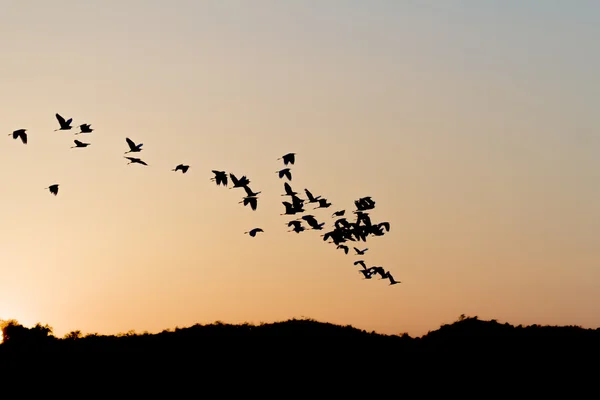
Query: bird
pixel 380 271
pixel 84 128
pixel 312 222
pixel 285 172
pixel 181 167
pixel 289 158
pixel 288 190
pixel 250 193
pixel 253 232
pixel 297 226
pixel 20 133
pixel 220 177
pixel 366 273
pixel 79 144
pixel 133 160
pixel 360 252
pixel 361 262
pixel 310 197
pixel 133 148
pixel 64 125
pixel 392 280
pixel 53 189
pixel 343 247
pixel 252 200
pixel 323 204
pixel 338 213
pixel 237 183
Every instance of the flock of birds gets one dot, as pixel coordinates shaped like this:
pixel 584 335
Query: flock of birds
pixel 343 232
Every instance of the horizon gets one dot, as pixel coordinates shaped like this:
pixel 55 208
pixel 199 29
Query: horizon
pixel 470 124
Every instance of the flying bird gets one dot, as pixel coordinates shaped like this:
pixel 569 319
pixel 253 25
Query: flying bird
pixel 53 189
pixel 84 128
pixel 366 273
pixel 343 247
pixel 289 158
pixel 360 252
pixel 133 160
pixel 297 226
pixel 181 167
pixel 311 198
pixel 133 148
pixel 252 200
pixel 237 183
pixel 285 172
pixel 79 144
pixel 288 190
pixel 250 193
pixel 361 262
pixel 254 231
pixel 323 204
pixel 338 213
pixel 64 125
pixel 220 177
pixel 20 133
pixel 392 280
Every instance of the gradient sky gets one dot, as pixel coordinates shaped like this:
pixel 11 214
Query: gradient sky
pixel 472 124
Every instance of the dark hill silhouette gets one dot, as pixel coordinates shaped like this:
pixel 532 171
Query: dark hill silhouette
pixel 467 334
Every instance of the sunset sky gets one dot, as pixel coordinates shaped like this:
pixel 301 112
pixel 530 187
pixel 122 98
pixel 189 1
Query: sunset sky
pixel 474 125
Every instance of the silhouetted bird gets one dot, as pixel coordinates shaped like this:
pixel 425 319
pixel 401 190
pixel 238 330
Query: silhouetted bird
pixel 64 125
pixel 360 252
pixel 338 213
pixel 289 208
pixel 181 167
pixel 380 271
pixel 297 226
pixel 84 128
pixel 250 193
pixel 53 189
pixel 323 204
pixel 392 280
pixel 237 183
pixel 289 158
pixel 310 197
pixel 79 144
pixel 361 262
pixel 368 274
pixel 254 231
pixel 343 247
pixel 385 225
pixel 312 222
pixel 133 160
pixel 252 200
pixel 288 190
pixel 285 172
pixel 220 177
pixel 133 148
pixel 20 133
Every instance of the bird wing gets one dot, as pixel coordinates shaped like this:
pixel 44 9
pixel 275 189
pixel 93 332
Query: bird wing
pixel 60 119
pixel 309 195
pixel 141 162
pixel 288 188
pixel 69 121
pixel 23 137
pixel 77 142
pixel 248 190
pixel 130 143
pixel 288 174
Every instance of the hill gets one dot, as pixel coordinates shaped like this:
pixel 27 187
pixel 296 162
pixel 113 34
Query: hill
pixel 467 334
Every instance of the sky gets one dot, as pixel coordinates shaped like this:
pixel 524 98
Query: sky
pixel 472 124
